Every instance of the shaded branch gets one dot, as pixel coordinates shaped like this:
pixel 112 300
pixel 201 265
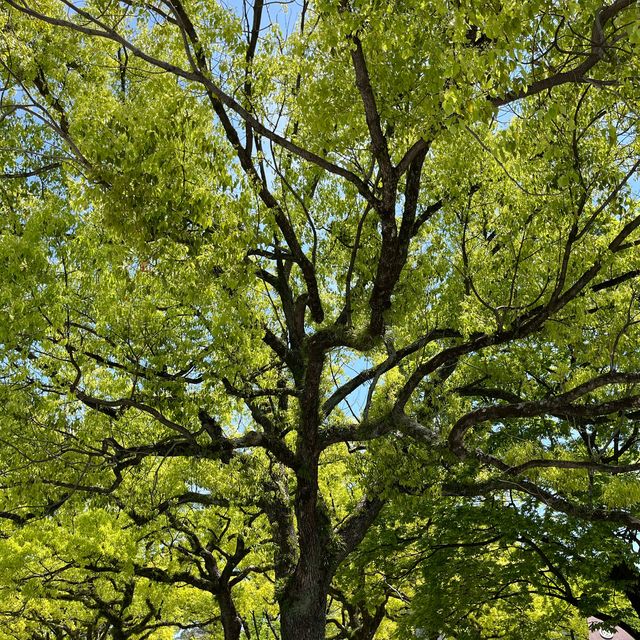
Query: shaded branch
pixel 579 73
pixel 555 501
pixel 560 406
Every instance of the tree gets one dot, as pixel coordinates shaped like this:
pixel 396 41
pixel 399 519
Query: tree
pixel 274 273
pixel 500 569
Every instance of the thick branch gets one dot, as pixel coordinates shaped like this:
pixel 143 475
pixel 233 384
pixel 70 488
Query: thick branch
pixel 379 144
pixel 578 73
pixel 560 406
pixel 355 527
pixel 369 374
pixel 553 500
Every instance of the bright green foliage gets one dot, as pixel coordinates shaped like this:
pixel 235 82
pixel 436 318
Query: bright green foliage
pixel 318 320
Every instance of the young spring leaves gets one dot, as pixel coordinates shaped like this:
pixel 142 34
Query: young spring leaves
pixel 281 286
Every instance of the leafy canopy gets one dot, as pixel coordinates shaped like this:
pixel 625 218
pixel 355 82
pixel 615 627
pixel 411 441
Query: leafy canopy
pixel 320 319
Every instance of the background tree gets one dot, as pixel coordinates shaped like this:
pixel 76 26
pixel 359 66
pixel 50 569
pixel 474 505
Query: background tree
pixel 270 275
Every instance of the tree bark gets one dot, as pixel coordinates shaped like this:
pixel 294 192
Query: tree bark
pixel 303 611
pixel 304 599
pixel 231 622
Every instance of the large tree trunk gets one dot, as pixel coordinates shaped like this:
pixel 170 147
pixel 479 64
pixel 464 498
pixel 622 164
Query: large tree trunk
pixel 303 609
pixel 231 622
pixel 304 599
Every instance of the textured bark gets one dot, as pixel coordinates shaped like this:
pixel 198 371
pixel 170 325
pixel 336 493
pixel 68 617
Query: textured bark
pixel 304 598
pixel 231 622
pixel 303 612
